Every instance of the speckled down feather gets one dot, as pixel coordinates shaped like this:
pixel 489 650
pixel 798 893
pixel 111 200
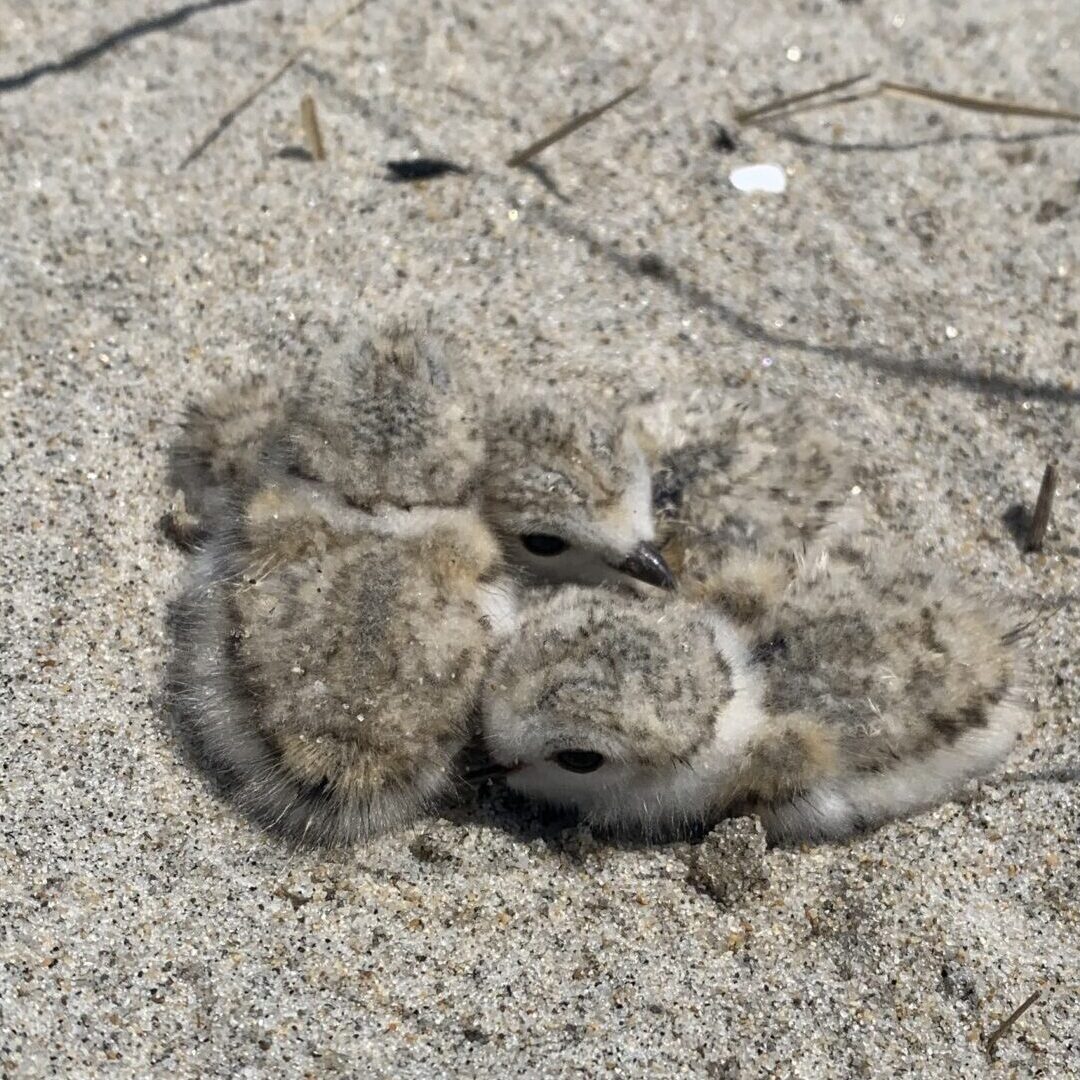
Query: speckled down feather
pixel 735 473
pixel 380 417
pixel 328 661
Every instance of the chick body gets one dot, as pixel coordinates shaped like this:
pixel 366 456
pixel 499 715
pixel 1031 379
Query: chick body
pixel 381 418
pixel 851 693
pixel 328 660
pixel 734 473
pixel 905 683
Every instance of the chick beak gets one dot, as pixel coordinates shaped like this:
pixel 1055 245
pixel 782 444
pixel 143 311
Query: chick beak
pixel 645 563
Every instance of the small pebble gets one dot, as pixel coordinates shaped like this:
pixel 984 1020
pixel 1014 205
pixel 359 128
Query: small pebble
pixel 751 178
pixel 729 864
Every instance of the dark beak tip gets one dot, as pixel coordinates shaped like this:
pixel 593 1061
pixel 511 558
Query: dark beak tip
pixel 645 563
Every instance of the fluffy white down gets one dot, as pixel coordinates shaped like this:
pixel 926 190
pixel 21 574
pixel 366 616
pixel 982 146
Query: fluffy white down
pixel 850 803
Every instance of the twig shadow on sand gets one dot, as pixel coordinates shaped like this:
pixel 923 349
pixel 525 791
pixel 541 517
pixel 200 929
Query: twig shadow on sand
pixel 799 138
pixel 80 58
pixel 695 296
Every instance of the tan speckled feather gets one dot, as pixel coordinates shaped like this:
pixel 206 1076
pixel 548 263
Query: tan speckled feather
pixel 328 661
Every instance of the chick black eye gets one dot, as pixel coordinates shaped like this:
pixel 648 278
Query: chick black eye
pixel 543 544
pixel 579 761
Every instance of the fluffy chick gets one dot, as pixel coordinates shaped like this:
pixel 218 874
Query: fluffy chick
pixel 566 488
pixel 635 711
pixel 915 684
pixel 861 694
pixel 733 473
pixel 380 418
pixel 328 661
pixel 386 420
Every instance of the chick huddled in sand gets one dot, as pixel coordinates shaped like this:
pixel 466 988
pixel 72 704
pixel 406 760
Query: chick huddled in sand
pixel 390 562
pixel 357 544
pixel 332 638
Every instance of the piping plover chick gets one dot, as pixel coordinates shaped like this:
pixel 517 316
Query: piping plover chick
pixel 328 660
pixel 732 473
pixel 566 488
pixel 859 696
pixel 637 711
pixel 918 684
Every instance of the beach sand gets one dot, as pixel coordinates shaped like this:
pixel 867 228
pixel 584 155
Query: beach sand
pixel 919 279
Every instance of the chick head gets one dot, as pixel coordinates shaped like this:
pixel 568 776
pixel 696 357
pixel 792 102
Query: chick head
pixel 629 710
pixel 568 492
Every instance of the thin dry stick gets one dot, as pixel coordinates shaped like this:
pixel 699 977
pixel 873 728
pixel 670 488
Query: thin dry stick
pixel 309 120
pixel 1040 520
pixel 845 99
pixel 1006 1025
pixel 746 115
pixel 962 101
pixel 265 83
pixel 530 151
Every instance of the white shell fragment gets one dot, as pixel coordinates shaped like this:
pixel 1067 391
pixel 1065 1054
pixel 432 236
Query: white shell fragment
pixel 769 178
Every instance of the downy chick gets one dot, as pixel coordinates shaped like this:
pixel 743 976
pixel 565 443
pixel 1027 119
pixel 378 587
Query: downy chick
pixel 566 488
pixel 917 684
pixel 857 694
pixel 328 661
pixel 732 474
pixel 637 712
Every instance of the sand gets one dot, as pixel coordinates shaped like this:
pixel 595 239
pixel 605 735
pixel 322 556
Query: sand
pixel 920 278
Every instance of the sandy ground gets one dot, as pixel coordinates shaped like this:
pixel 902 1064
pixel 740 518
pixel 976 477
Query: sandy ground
pixel 921 277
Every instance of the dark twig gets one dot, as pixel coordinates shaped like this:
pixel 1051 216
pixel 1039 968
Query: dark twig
pixel 963 101
pixel 530 151
pixel 309 120
pixel 231 114
pixel 1006 1025
pixel 960 101
pixel 1040 520
pixel 265 83
pixel 844 99
pixel 746 115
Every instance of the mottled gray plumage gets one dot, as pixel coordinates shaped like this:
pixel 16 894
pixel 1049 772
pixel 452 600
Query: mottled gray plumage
pixel 660 689
pixel 386 422
pixel 381 418
pixel 912 683
pixel 733 473
pixel 571 654
pixel 328 661
pixel 846 693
